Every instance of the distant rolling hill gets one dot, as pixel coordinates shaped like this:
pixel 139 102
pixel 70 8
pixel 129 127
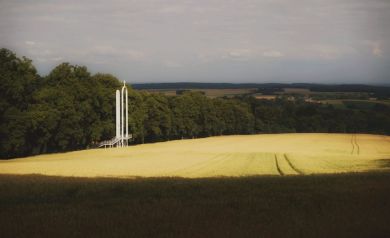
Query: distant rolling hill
pixel 311 86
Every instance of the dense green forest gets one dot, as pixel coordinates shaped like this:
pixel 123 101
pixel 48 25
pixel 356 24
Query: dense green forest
pixel 71 109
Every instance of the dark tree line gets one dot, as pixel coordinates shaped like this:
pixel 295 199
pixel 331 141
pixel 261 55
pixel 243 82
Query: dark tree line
pixel 284 115
pixel 381 92
pixel 70 109
pixel 66 110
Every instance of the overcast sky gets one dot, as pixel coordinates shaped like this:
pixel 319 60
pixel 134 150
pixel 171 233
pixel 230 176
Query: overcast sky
pixel 322 41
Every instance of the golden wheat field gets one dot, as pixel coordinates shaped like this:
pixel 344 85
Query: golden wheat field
pixel 244 155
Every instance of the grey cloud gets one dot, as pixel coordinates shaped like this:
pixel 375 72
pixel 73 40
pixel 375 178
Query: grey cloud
pixel 204 40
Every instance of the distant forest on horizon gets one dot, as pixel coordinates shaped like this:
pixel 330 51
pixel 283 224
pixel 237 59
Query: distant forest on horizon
pixel 72 109
pixel 316 87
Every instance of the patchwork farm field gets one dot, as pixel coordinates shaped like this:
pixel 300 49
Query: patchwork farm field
pixel 224 156
pixel 211 93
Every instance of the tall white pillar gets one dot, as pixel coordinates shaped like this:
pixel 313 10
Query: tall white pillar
pixel 122 112
pixel 117 115
pixel 124 115
pixel 127 118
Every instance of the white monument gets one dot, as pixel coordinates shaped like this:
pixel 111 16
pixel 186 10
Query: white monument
pixel 122 116
pixel 122 136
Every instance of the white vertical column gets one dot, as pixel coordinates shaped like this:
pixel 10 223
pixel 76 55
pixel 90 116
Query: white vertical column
pixel 127 118
pixel 117 115
pixel 122 112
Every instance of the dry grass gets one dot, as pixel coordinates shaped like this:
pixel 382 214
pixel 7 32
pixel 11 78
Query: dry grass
pixel 267 97
pixel 218 156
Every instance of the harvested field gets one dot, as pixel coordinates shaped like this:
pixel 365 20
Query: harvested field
pixel 304 91
pixel 267 97
pixel 246 155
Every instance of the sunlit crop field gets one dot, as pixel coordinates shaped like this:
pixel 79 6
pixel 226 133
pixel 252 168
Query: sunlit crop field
pixel 273 154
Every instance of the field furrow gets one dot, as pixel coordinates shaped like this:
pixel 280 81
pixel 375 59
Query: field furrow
pixel 298 171
pixel 277 166
pixel 357 145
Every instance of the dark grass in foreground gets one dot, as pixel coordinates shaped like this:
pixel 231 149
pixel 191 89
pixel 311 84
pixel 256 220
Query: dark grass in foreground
pixel 349 205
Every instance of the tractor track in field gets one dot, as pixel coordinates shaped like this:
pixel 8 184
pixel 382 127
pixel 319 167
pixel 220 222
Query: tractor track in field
pixel 355 145
pixel 292 166
pixel 277 166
